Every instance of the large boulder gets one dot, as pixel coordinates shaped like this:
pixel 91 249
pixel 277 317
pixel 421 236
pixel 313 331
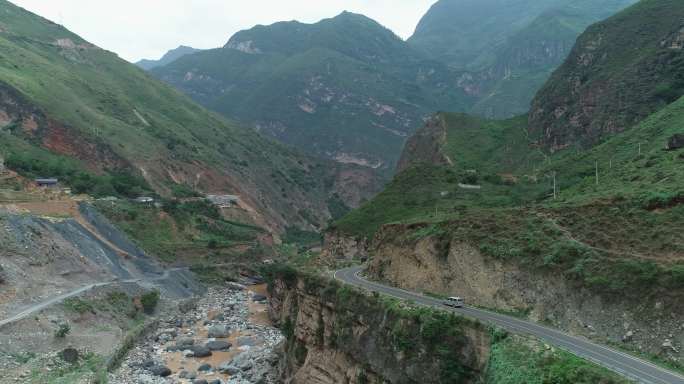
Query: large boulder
pixel 218 331
pixel 159 370
pixel 200 351
pixel 218 345
pixel 676 142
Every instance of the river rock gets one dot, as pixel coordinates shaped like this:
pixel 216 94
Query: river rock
pixel 259 298
pixel 228 368
pixel 159 370
pixel 218 345
pixel 235 286
pixel 204 368
pixel 199 381
pixel 249 341
pixel 218 331
pixel 200 351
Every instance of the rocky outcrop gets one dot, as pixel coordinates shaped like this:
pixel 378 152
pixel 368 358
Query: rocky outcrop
pixel 338 246
pixel 338 335
pixel 613 78
pixel 452 266
pixel 425 146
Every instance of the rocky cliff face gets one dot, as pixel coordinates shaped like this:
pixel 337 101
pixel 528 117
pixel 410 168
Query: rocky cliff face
pixel 425 146
pixel 453 266
pixel 336 335
pixel 613 78
pixel 338 246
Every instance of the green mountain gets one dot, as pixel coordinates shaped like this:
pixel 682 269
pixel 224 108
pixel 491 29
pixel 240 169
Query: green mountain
pixel 508 48
pixel 168 57
pixel 73 110
pixel 345 88
pixel 606 217
pixel 348 89
pixel 614 77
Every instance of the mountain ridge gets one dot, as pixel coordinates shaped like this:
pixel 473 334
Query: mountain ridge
pixel 315 87
pixel 169 57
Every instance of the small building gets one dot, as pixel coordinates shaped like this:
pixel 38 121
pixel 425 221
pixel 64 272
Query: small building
pixel 47 183
pixel 224 201
pixel 144 200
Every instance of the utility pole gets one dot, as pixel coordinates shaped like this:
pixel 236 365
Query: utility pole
pixel 597 173
pixel 554 185
pixel 639 149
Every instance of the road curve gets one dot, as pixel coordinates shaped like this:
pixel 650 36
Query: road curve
pixel 629 366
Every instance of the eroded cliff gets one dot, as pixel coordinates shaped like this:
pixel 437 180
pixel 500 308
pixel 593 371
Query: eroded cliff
pixel 338 335
pixel 451 264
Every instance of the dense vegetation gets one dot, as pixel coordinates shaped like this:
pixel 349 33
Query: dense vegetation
pixel 192 231
pixel 32 163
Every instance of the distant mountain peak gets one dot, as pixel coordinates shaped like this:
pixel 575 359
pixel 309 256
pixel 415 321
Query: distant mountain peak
pixel 168 57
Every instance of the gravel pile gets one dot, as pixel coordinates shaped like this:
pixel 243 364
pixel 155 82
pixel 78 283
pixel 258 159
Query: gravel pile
pixel 210 340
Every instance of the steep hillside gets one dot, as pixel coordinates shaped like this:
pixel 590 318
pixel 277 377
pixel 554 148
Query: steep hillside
pixel 345 88
pixel 620 71
pixel 73 110
pixel 168 57
pixel 508 48
pixel 574 238
pixel 466 34
pixel 486 225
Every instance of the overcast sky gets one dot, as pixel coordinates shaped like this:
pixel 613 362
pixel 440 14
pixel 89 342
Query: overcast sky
pixel 138 29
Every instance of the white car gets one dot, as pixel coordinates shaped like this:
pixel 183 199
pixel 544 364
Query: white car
pixel 456 302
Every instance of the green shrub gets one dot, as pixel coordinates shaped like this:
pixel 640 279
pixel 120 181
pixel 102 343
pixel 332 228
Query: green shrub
pixel 77 305
pixel 62 330
pixel 149 301
pixel 116 183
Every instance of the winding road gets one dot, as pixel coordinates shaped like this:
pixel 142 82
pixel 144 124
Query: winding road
pixel 629 366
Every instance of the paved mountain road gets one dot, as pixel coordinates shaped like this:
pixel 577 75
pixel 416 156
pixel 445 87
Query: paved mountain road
pixel 629 366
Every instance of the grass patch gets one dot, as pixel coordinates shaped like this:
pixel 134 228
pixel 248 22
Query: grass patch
pixel 516 360
pixel 89 368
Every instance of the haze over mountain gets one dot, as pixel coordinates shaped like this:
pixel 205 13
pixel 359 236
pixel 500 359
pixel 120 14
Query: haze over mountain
pixel 348 89
pixel 507 48
pixel 69 108
pixel 345 88
pixel 168 57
